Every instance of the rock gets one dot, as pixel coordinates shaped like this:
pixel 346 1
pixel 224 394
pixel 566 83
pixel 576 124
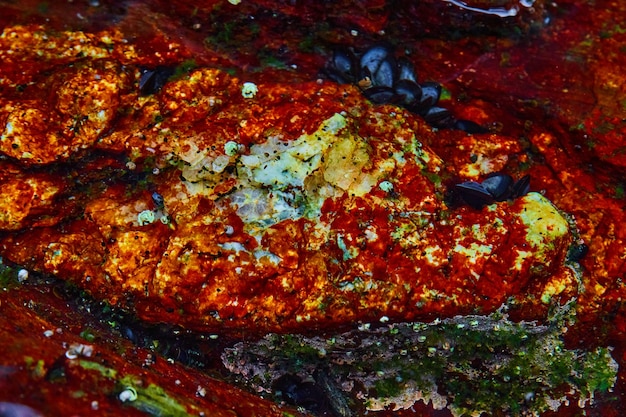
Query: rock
pixel 283 211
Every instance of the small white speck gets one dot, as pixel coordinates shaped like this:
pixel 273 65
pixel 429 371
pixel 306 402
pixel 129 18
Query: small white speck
pixel 79 349
pixel 386 186
pixel 94 405
pixel 231 148
pixel 129 394
pixel 354 32
pixel 145 217
pixel 22 275
pixel 48 333
pixel 249 90
pixel 384 319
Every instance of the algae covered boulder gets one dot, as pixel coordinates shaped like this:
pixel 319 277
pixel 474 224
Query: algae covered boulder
pixel 212 207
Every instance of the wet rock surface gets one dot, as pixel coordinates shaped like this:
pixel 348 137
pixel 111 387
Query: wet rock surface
pixel 235 193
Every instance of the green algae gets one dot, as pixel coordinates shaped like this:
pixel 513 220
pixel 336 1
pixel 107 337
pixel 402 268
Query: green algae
pixel 104 371
pixel 467 364
pixel 152 399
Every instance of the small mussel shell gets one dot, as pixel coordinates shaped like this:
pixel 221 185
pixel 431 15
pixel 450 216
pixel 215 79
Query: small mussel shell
pixel 474 194
pixel 470 127
pixel 386 73
pixel 410 91
pixel 431 91
pixel 439 117
pixel 406 70
pixel 379 65
pixel 342 67
pixel 381 95
pixel 498 185
pixel 521 187
pixel 374 56
pixel 152 80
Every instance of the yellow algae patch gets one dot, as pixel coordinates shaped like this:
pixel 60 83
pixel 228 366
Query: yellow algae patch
pixel 543 221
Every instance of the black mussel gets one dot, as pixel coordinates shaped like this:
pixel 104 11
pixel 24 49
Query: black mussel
pixel 439 117
pixel 383 80
pixel 474 194
pixel 378 64
pixel 308 395
pixel 381 95
pixel 406 70
pixel 431 91
pixel 470 127
pixel 372 58
pixel 386 73
pixel 521 187
pixel 498 185
pixel 410 91
pixel 343 67
pixel 152 80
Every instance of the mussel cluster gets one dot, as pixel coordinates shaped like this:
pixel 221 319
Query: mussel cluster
pixel 383 78
pixel 495 187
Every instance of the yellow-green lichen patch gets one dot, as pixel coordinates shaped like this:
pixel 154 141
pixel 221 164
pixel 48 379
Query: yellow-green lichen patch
pixel 546 228
pixel 543 221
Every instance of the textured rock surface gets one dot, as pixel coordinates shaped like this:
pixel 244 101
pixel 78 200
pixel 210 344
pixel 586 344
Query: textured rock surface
pixel 285 210
pixel 84 154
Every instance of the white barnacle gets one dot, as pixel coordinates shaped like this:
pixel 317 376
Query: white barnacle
pixel 145 217
pixel 22 275
pixel 79 349
pixel 129 394
pixel 249 90
pixel 232 148
pixel 364 327
pixel 386 186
